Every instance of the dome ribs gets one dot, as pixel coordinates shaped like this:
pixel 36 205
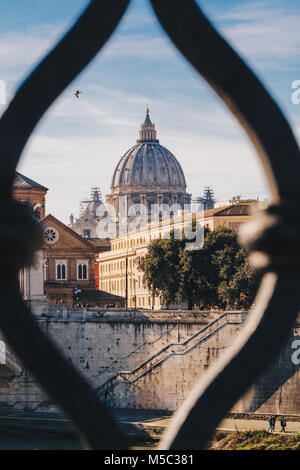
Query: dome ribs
pixel 148 173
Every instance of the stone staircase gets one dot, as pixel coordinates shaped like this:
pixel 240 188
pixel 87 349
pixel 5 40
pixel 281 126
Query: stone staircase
pixel 150 348
pixel 170 350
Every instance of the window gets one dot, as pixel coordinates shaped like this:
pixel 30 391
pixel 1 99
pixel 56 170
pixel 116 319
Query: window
pixel 51 235
pixel 87 234
pixel 82 269
pixel 61 269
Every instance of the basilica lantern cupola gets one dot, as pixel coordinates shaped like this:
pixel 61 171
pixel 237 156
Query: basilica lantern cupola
pixel 148 132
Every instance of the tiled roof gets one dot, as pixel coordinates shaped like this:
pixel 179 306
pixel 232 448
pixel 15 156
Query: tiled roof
pixel 235 209
pixel 100 243
pixel 22 182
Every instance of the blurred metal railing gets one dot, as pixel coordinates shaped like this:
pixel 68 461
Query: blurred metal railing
pixel 273 236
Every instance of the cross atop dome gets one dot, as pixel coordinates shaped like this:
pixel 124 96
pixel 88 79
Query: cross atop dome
pixel 148 132
pixel 147 119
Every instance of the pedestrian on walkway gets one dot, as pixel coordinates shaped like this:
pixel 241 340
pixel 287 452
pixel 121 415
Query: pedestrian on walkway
pixel 283 424
pixel 271 421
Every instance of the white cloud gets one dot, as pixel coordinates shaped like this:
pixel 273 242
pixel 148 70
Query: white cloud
pixel 22 48
pixel 263 30
pixel 141 46
pixel 79 142
pixel 70 164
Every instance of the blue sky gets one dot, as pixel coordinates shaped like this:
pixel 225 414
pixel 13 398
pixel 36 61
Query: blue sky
pixel 79 142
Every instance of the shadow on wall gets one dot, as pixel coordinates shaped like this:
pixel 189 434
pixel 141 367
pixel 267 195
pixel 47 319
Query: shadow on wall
pixel 267 393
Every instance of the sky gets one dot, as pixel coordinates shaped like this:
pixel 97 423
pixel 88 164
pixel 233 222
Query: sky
pixel 78 142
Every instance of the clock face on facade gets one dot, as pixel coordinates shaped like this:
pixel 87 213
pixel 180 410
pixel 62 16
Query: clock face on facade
pixel 51 235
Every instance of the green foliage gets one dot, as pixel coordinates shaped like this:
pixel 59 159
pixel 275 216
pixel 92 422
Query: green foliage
pixel 256 440
pixel 217 275
pixel 198 278
pixel 160 267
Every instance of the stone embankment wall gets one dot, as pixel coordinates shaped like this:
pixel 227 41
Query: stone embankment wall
pixel 151 360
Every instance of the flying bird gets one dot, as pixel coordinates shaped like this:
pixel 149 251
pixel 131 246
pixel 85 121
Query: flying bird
pixel 77 93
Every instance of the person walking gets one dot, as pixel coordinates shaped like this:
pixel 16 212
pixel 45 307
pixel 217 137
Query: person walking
pixel 283 424
pixel 271 421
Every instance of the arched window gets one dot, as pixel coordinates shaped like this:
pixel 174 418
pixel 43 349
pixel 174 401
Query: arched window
pixel 61 270
pixel 82 269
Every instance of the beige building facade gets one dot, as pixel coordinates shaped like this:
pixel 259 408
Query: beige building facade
pixel 118 268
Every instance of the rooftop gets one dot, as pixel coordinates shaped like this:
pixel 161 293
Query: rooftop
pixel 23 182
pixel 100 243
pixel 232 210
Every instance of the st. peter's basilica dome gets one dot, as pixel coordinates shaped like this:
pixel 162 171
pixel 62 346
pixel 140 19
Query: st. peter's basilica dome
pixel 148 173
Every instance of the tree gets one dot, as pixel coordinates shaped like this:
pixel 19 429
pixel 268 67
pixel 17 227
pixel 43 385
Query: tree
pixel 218 274
pixel 240 290
pixel 237 282
pixel 189 287
pixel 198 277
pixel 160 267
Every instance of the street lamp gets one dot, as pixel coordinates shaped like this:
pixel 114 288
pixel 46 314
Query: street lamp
pixel 126 281
pixel 134 298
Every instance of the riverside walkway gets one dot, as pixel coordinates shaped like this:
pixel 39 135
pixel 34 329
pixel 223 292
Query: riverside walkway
pixel 135 424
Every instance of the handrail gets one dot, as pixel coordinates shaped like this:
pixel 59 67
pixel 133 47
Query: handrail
pixel 180 348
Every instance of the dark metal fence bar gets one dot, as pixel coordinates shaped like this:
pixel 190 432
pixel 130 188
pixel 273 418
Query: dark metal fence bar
pixel 274 237
pixel 18 236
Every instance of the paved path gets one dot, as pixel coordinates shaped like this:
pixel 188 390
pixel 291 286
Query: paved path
pixel 158 424
pixel 256 425
pixel 141 423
